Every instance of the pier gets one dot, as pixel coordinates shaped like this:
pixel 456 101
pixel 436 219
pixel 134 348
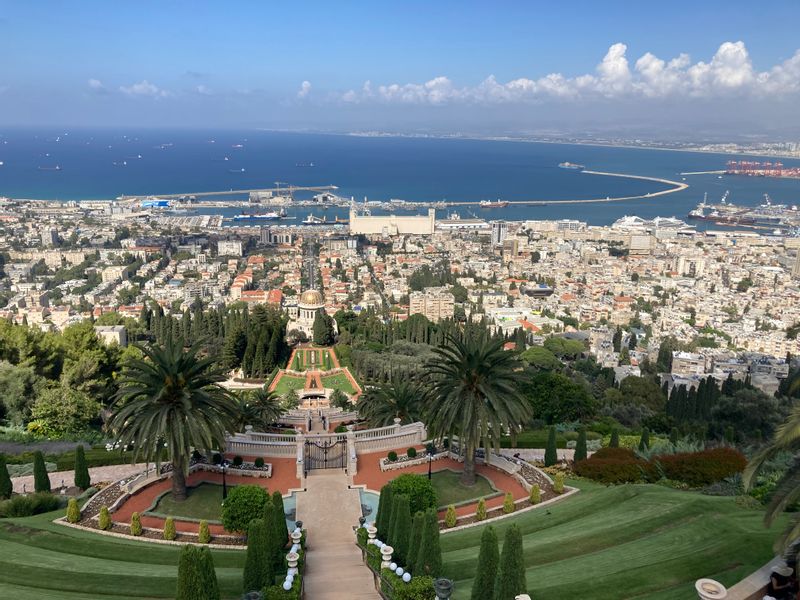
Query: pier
pixel 289 189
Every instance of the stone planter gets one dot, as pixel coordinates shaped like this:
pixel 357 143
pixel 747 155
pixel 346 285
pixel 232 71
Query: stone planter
pixel 386 556
pixel 708 589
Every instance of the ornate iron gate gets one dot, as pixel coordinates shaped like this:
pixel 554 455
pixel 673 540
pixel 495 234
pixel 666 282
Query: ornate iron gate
pixel 330 454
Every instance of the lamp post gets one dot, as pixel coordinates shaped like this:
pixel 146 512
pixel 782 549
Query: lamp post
pixel 430 449
pixel 224 466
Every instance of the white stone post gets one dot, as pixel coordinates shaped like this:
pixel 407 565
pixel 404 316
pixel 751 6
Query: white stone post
pixel 352 462
pixel 301 446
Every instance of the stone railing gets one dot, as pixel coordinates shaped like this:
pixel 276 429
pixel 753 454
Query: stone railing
pixel 403 461
pixel 245 446
pixel 389 438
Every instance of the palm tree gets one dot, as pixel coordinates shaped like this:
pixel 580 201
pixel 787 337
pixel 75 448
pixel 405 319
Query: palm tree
pixel 257 408
pixel 172 398
pixel 401 399
pixel 474 394
pixel 787 492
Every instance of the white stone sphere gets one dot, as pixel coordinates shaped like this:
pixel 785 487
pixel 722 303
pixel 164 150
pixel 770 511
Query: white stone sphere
pixel 287 585
pixel 392 566
pixel 406 577
pixel 399 571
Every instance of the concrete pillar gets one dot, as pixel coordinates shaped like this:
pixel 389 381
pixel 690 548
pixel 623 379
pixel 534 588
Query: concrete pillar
pixel 301 456
pixel 352 461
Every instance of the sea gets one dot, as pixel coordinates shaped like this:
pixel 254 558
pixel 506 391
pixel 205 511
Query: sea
pixel 107 163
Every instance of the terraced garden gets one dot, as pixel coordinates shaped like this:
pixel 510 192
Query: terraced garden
pixel 633 541
pixel 43 561
pixel 339 381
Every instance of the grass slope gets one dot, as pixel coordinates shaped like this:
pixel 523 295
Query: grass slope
pixel 338 382
pixel 203 501
pixel 41 560
pixel 450 491
pixel 630 541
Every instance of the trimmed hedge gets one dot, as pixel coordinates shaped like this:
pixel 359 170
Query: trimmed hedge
pixel 32 504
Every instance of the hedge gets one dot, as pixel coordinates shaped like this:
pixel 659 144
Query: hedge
pixel 32 504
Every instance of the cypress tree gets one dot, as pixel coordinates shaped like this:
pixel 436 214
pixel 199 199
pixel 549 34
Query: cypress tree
pixel 415 540
pixel 82 479
pixel 384 512
pixel 394 524
pixel 6 487
pixel 488 561
pixel 429 556
pixel 401 539
pixel 614 442
pixel 279 533
pixel 191 582
pixel 644 441
pixel 41 481
pixel 550 453
pixel 258 570
pixel 580 446
pixel 673 436
pixel 209 574
pixel 511 575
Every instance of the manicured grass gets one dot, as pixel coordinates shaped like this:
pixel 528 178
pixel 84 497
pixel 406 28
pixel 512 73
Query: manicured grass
pixel 39 559
pixel 632 541
pixel 450 490
pixel 339 381
pixel 203 502
pixel 288 382
pixel 534 438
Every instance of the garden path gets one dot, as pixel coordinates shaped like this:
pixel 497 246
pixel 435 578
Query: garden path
pixel 97 474
pixel 329 510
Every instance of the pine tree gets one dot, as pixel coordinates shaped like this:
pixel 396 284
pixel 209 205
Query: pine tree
pixel 41 481
pixel 580 446
pixel 644 441
pixel 393 524
pixel 511 575
pixel 614 441
pixel 415 540
pixel 401 534
pixel 550 453
pixel 488 562
pixel 82 479
pixel 383 519
pixel 429 556
pixel 632 342
pixel 258 566
pixel 191 582
pixel 6 486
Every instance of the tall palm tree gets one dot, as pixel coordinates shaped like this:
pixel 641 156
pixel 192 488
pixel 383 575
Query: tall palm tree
pixel 172 398
pixel 787 492
pixel 257 408
pixel 401 399
pixel 474 394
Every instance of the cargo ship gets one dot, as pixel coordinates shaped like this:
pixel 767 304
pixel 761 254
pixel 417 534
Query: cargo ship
pixel 266 216
pixel 312 220
pixel 490 204
pixel 569 165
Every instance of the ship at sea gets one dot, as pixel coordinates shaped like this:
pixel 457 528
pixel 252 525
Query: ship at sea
pixel 265 216
pixel 56 168
pixel 490 204
pixel 573 166
pixel 312 220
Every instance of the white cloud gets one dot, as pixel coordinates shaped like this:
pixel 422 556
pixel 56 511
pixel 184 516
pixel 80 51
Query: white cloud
pixel 203 90
pixel 145 88
pixel 305 89
pixel 96 85
pixel 729 72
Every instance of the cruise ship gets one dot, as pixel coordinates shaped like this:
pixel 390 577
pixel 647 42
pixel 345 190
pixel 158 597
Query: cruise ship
pixel 569 165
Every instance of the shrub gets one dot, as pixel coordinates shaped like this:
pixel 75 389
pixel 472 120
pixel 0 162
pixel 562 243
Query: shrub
pixel 259 463
pixel 204 533
pixel 614 442
pixel 411 453
pixel 340 429
pixel 451 518
pixel 550 453
pixel 415 541
pixel 400 533
pixel 392 456
pixel 612 466
pixel 237 461
pixel 429 555
pixel 384 517
pixel 136 524
pixel 169 529
pixel 209 575
pixel 73 512
pixel 41 480
pixel 488 561
pixel 243 504
pixel 419 489
pixel 419 588
pixel 480 512
pixel 580 447
pixel 6 486
pixel 508 503
pixel 279 533
pixel 216 458
pixel 82 479
pixel 104 519
pixel 702 468
pixel 558 483
pixel 644 441
pixel 32 504
pixel 258 566
pixel 511 575
pixel 535 495
pixel 197 579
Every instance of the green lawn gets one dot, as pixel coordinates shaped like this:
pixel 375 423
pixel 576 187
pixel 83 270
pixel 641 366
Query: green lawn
pixel 203 502
pixel 632 541
pixel 340 381
pixel 450 491
pixel 288 382
pixel 40 560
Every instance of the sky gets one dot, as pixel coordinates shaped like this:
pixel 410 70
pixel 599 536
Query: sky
pixel 666 69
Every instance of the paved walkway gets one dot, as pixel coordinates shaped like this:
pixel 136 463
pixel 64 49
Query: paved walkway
pixel 334 569
pixel 96 474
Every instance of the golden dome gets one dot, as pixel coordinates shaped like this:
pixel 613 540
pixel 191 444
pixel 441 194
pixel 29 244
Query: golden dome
pixel 311 298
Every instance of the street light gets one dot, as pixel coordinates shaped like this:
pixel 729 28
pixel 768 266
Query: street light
pixel 430 449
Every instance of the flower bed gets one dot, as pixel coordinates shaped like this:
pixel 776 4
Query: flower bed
pixel 403 460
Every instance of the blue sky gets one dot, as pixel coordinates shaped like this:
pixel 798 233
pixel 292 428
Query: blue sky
pixel 429 65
